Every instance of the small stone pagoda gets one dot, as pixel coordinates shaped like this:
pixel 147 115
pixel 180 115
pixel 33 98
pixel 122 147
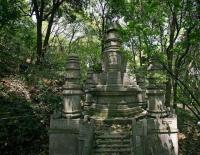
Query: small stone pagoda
pixel 119 116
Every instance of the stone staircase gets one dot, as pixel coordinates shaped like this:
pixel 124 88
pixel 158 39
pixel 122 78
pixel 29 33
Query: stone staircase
pixel 112 140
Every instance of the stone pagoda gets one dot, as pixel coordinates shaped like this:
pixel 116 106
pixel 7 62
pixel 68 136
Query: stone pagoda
pixel 117 117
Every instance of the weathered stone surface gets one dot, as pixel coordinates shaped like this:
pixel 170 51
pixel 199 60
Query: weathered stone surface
pixel 63 137
pixel 64 131
pixel 86 137
pixel 163 132
pixel 112 56
pixel 114 77
pixel 155 92
pixel 99 79
pixel 112 139
pixel 72 90
pixel 90 84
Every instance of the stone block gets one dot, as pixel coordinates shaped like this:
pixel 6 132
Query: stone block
pixel 162 136
pixel 64 137
pixel 71 106
pixel 114 78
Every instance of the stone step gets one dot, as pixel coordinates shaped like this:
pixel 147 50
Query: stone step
pixel 114 136
pixel 113 128
pixel 109 150
pixel 99 121
pixel 101 132
pixel 113 146
pixel 116 153
pixel 113 141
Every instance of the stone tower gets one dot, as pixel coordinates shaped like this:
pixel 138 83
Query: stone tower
pixel 113 119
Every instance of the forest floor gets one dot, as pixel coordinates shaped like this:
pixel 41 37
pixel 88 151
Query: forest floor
pixel 27 102
pixel 189 133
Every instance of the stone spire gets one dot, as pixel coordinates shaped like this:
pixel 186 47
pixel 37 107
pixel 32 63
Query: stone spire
pixel 155 92
pixel 72 90
pixel 89 85
pixel 113 60
pixel 112 53
pixel 140 77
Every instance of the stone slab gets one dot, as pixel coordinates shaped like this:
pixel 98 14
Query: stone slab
pixel 64 137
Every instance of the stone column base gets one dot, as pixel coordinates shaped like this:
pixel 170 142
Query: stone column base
pixel 64 136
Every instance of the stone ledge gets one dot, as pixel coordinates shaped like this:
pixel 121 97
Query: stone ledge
pixel 163 131
pixel 63 123
pixel 60 131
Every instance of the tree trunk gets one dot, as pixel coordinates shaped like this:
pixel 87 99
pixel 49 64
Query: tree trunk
pixel 133 52
pixel 169 84
pixel 140 52
pixel 48 33
pixel 103 34
pixel 168 95
pixel 39 16
pixel 175 86
pixel 39 42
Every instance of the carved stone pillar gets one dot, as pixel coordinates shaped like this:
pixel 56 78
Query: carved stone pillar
pixel 113 57
pixel 89 85
pixel 155 92
pixel 72 89
pixel 64 131
pixel 140 78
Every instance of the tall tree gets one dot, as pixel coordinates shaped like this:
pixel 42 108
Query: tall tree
pixel 98 11
pixel 48 10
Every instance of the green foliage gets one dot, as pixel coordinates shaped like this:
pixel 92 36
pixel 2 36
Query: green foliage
pixel 24 121
pixel 169 30
pixel 16 43
pixel 9 11
pixel 21 127
pixel 17 36
pixel 189 138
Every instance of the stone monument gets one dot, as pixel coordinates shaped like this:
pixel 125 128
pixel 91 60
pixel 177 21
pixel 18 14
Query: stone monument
pixel 120 115
pixel 65 128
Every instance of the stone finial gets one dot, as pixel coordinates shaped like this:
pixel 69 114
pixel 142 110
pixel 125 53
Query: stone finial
pixel 140 77
pixel 141 82
pixel 72 89
pixel 154 72
pixel 112 56
pixel 155 92
pixel 89 85
pixel 90 82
